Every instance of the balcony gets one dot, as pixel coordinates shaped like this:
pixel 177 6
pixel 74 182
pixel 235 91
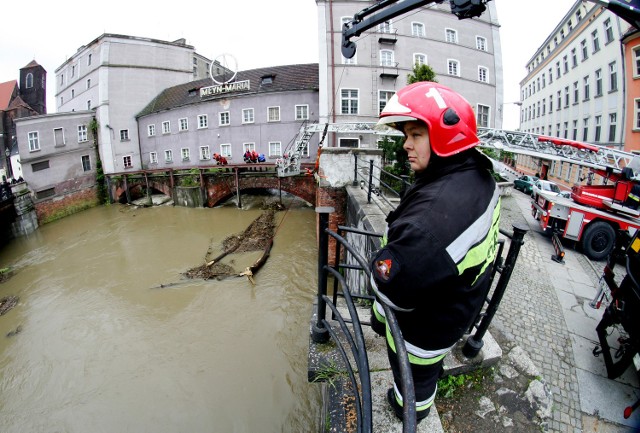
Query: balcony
pixel 389 70
pixel 389 37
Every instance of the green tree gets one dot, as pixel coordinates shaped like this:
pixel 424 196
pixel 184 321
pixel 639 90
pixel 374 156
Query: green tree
pixel 421 72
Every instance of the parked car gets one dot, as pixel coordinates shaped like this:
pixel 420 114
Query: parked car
pixel 524 183
pixel 545 186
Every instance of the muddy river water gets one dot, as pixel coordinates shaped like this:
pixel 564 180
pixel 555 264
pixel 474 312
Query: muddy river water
pixel 102 347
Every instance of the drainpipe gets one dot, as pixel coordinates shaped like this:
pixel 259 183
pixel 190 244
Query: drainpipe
pixel 333 73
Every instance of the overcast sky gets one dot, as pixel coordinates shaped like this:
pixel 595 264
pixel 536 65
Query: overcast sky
pixel 257 32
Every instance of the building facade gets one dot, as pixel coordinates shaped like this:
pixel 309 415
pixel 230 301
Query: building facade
pixel 631 41
pixel 465 55
pixel 117 76
pixel 262 110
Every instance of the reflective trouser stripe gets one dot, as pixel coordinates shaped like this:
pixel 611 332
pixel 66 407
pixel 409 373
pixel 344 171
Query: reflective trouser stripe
pixel 420 405
pixel 379 312
pixel 634 197
pixel 418 356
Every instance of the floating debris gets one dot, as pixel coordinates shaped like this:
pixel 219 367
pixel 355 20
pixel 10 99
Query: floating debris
pixel 7 303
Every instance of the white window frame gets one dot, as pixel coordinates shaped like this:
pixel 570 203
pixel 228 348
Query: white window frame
pixel 83 133
pixel 124 135
pixel 224 118
pixel 203 121
pixel 151 130
pixel 480 112
pixel 183 124
pixel 481 43
pixel 636 61
pixel 301 112
pixel 127 161
pixel 205 153
pixel 166 127
pixel 483 74
pixel 185 153
pixel 153 157
pixel 87 167
pixel 251 146
pixel 418 29
pixel 451 35
pixel 386 27
pixel 275 146
pixel 420 59
pixel 613 76
pixel 275 110
pixel 352 99
pixel 383 98
pixel 248 115
pixel 33 138
pixel 387 58
pixel 168 155
pixel 453 65
pixel 636 114
pixel 225 150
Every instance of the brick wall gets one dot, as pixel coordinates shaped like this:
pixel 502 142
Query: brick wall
pixel 54 208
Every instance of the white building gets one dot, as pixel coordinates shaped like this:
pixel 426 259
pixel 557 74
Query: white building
pixel 574 87
pixel 464 54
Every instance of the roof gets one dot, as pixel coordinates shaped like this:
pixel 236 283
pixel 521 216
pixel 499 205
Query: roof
pixel 6 92
pixel 31 64
pixel 285 78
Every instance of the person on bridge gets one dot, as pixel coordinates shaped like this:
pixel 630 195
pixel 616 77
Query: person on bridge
pixel 433 268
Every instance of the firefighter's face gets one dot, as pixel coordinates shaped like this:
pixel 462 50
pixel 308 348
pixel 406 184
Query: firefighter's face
pixel 417 144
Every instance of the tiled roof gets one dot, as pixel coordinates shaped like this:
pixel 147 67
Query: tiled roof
pixel 6 91
pixel 31 64
pixel 285 78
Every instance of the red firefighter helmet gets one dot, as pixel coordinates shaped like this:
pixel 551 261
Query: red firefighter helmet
pixel 449 117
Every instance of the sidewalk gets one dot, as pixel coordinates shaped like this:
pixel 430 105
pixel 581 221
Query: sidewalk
pixel 546 312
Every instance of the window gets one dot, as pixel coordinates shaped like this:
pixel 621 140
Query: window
pixel 595 41
pixel 613 77
pixel 34 141
pixel 73 93
pixel 86 163
pixel 558 70
pixel 566 129
pixel 183 124
pixel 453 67
pixel 302 112
pixel 166 127
pixel 151 130
pixel 385 27
pixel 599 82
pixel 124 135
pixel 613 120
pixel 73 70
pixel 88 83
pixel 168 155
pixel 566 96
pixel 576 93
pixel 417 29
pixel 451 35
pixel 636 114
pixel 273 114
pixel 386 58
pixel 585 86
pixel 608 31
pixel 585 129
pixel 61 79
pixel 39 166
pixel 153 157
pixel 574 133
pixel 349 101
pixel 205 153
pixel 596 137
pixel 82 133
pixel 29 80
pixel 550 105
pixel 550 75
pixel 482 116
pixel 89 60
pixel 225 119
pixel 58 137
pixel 636 62
pixel 352 61
pixel 225 150
pixel 483 74
pixel 421 59
pixel 481 43
pixel 89 104
pixel 203 121
pixel 574 58
pixel 248 115
pixel 185 153
pixel 383 98
pixel 583 49
pixel 275 148
pixel 565 63
pixel 126 161
pixel 559 100
pixel 248 147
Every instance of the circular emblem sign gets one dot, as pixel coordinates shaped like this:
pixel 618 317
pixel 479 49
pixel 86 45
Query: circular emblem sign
pixel 224 67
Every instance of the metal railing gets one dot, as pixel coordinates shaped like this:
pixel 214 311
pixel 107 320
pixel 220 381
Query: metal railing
pixel 351 328
pixel 378 181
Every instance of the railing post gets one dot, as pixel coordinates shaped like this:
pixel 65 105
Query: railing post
pixel 355 170
pixel 405 182
pixel 320 334
pixel 474 342
pixel 370 180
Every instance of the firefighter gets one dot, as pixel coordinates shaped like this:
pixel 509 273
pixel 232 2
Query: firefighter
pixel 434 265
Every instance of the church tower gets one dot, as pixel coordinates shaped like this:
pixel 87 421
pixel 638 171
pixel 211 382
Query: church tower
pixel 33 86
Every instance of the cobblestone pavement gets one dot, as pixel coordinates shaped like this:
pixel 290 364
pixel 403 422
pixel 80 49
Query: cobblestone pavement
pixel 531 315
